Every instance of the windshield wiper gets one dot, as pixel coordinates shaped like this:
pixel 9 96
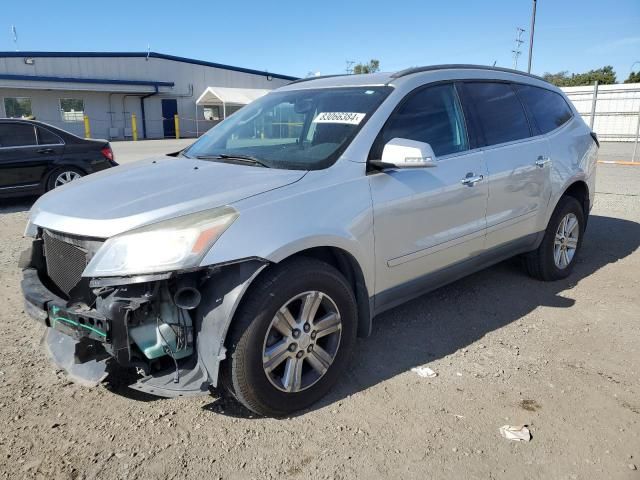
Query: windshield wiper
pixel 241 158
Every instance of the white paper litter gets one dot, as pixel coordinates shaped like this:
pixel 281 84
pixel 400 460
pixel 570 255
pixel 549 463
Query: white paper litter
pixel 424 372
pixel 517 433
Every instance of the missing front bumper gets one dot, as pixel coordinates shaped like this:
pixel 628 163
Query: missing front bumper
pixel 84 344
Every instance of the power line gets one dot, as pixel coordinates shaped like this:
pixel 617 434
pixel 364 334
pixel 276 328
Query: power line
pixel 516 50
pixel 350 64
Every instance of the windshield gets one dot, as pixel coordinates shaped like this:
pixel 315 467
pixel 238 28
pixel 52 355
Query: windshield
pixel 301 130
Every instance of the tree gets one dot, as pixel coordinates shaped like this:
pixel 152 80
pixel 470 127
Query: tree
pixel 604 76
pixel 372 67
pixel 634 77
pixel 560 79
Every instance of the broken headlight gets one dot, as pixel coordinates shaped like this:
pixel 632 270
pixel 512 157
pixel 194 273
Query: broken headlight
pixel 173 244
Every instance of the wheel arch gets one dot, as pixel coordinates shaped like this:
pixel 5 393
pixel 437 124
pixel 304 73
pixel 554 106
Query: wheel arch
pixel 580 191
pixel 348 266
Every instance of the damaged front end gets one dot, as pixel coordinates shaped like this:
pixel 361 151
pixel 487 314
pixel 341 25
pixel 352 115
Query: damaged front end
pixel 169 327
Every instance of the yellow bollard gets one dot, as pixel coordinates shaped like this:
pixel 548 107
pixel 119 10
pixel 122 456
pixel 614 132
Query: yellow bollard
pixel 177 122
pixel 134 127
pixel 87 127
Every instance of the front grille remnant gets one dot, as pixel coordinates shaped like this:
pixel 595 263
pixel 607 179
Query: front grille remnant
pixel 65 262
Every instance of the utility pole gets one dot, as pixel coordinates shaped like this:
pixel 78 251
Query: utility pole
pixel 350 64
pixel 516 51
pixel 532 31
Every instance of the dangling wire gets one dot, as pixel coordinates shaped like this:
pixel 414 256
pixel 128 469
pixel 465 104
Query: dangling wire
pixel 167 348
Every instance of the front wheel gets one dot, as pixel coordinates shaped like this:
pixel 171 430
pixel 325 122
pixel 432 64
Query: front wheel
pixel 555 257
pixel 291 337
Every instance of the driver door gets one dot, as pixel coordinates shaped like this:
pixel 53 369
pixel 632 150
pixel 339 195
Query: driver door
pixel 427 219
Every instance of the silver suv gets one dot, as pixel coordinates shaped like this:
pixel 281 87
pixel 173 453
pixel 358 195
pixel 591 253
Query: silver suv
pixel 255 257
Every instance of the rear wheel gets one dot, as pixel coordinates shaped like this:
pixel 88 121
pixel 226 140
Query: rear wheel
pixel 555 257
pixel 62 176
pixel 291 337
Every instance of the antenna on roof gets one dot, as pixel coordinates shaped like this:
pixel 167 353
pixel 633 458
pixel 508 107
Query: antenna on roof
pixel 148 52
pixel 15 36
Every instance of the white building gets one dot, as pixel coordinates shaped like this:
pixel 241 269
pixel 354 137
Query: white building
pixel 61 88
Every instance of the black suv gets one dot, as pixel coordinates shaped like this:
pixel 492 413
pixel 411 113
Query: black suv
pixel 36 157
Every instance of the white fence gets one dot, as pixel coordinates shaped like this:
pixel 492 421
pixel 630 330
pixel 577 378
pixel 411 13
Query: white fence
pixel 612 111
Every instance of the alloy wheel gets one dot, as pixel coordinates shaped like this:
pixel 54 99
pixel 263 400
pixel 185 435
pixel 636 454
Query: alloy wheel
pixel 65 177
pixel 302 341
pixel 566 241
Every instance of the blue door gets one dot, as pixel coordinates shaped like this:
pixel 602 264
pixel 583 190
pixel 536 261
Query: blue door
pixel 169 109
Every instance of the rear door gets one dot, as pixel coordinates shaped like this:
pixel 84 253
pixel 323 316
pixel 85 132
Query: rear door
pixel 23 162
pixel 518 163
pixel 426 219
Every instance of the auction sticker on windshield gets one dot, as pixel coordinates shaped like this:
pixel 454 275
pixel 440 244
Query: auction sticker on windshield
pixel 351 118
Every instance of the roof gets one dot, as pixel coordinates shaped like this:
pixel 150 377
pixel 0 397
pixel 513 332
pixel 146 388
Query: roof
pixel 386 78
pixel 232 96
pixel 106 81
pixel 459 66
pixel 162 56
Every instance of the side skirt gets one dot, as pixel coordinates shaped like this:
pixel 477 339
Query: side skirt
pixel 414 288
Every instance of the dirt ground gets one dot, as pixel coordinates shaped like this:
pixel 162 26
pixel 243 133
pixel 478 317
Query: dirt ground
pixel 563 358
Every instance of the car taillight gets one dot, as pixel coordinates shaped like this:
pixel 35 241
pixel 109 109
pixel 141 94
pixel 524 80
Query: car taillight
pixel 108 154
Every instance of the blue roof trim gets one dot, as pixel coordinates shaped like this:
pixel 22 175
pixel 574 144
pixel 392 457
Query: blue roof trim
pixel 144 55
pixel 41 78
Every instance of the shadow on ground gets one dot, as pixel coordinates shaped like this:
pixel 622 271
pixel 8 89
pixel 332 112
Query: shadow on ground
pixel 441 322
pixel 15 205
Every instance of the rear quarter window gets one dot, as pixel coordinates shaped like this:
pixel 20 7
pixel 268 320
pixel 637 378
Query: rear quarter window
pixel 45 137
pixel 498 111
pixel 549 109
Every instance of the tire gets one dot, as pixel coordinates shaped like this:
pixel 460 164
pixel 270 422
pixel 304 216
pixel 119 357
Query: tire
pixel 256 333
pixel 543 263
pixel 68 173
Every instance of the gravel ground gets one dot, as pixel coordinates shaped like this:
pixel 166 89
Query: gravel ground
pixel 563 358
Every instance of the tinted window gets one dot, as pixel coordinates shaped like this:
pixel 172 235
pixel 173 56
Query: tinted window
pixel 45 137
pixel 548 108
pixel 499 112
pixel 431 115
pixel 16 135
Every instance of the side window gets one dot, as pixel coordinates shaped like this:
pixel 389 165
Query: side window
pixel 548 108
pixel 498 110
pixel 45 137
pixel 17 135
pixel 432 115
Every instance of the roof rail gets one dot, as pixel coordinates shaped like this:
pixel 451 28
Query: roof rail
pixel 300 80
pixel 431 68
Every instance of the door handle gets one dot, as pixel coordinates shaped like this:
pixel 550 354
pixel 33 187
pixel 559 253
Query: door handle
pixel 45 151
pixel 542 161
pixel 470 180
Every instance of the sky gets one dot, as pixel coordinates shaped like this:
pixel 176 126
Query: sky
pixel 299 37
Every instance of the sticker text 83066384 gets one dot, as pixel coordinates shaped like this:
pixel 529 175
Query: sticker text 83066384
pixel 351 118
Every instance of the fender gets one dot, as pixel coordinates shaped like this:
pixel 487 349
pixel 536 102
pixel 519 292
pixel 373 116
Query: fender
pixel 221 296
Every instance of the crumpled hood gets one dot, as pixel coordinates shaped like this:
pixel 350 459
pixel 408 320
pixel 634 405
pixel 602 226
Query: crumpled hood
pixel 118 199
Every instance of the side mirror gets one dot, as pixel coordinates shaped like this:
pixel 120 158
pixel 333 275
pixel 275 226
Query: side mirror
pixel 405 153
